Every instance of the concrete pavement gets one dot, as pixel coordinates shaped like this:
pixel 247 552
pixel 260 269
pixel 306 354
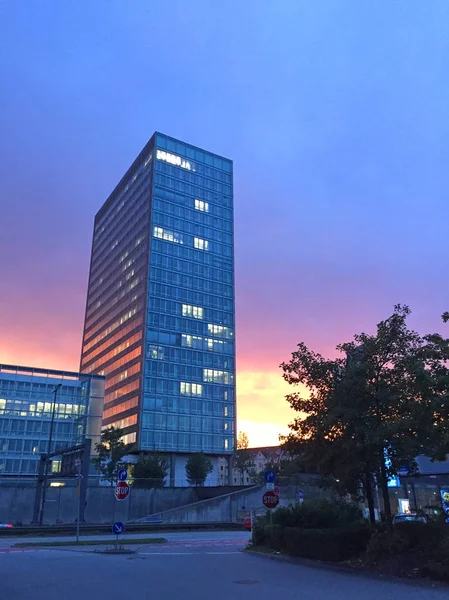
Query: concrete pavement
pixel 187 568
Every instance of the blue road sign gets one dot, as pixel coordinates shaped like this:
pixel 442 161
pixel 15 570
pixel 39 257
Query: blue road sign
pixel 270 476
pixel 118 528
pixel 122 475
pixel 300 496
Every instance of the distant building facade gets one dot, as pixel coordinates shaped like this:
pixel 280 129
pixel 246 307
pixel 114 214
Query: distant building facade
pixel 159 320
pixel 261 459
pixel 27 400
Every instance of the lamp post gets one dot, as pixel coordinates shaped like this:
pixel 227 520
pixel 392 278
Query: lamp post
pixel 47 461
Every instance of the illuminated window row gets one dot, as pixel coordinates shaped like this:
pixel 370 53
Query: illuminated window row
pixel 173 159
pixel 122 391
pixel 117 350
pixel 168 236
pixel 220 330
pixel 127 405
pixel 201 205
pixel 122 376
pixel 214 376
pixel 192 311
pixel 121 362
pixel 199 343
pixel 191 389
pixel 112 327
pixel 200 244
pixel 117 336
pixel 132 420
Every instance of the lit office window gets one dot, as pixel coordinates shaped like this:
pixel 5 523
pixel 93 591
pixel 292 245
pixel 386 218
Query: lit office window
pixel 213 376
pixel 192 311
pixel 201 205
pixel 201 244
pixel 220 330
pixel 192 341
pixel 190 389
pixel 168 236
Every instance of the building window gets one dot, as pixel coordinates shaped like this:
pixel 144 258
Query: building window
pixel 168 236
pixel 201 205
pixel 213 376
pixel 190 389
pixel 219 330
pixel 156 352
pixel 201 244
pixel 192 311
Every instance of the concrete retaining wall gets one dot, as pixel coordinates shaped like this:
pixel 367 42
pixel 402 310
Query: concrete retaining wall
pixel 16 503
pixel 235 506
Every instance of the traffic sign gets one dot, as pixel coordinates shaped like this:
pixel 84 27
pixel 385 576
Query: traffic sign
pixel 122 475
pixel 300 496
pixel 270 487
pixel 270 476
pixel 277 490
pixel 270 500
pixel 121 490
pixel 118 528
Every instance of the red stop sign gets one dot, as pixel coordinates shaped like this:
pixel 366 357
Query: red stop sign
pixel 270 500
pixel 121 490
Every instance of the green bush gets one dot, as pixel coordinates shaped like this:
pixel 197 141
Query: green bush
pixel 383 544
pixel 421 536
pixel 274 536
pixel 259 535
pixel 326 544
pixel 314 515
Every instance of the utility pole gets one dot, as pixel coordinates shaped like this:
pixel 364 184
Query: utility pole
pixel 47 460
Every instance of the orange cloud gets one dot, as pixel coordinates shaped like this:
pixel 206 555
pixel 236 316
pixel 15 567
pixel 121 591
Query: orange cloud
pixel 263 413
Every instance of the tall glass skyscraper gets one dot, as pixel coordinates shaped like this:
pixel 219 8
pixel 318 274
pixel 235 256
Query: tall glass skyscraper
pixel 159 318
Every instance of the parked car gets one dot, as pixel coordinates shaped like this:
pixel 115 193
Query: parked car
pixel 256 517
pixel 6 525
pixel 409 518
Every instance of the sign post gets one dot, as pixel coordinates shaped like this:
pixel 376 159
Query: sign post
pixel 117 529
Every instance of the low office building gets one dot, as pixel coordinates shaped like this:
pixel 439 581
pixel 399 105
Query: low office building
pixel 29 399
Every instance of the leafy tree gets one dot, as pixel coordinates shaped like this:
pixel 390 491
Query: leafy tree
pixel 150 471
pixel 110 453
pixel 198 468
pixel 243 461
pixel 371 411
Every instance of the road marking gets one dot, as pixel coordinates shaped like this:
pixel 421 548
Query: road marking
pixel 184 553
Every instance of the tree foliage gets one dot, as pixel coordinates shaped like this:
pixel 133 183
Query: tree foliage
pixel 372 410
pixel 150 471
pixel 110 453
pixel 198 468
pixel 243 461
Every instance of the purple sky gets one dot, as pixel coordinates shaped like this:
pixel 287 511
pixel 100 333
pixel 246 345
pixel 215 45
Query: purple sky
pixel 335 114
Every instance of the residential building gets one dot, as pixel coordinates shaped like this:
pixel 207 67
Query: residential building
pixel 28 401
pixel 261 459
pixel 159 320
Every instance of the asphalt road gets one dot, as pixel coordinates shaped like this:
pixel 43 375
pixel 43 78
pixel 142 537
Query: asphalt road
pixel 192 568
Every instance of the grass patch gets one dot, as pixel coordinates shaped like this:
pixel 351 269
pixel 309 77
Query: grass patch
pixel 127 542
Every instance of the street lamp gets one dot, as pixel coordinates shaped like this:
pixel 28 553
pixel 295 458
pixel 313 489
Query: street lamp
pixel 47 461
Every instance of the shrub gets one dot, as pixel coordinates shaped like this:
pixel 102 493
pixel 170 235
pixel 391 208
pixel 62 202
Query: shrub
pixel 259 535
pixel 421 536
pixel 314 515
pixel 333 545
pixel 274 536
pixel 382 544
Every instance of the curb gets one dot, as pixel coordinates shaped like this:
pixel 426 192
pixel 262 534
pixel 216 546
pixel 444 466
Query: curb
pixel 348 570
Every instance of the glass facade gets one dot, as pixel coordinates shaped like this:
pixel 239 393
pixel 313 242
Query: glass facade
pixel 170 367
pixel 26 405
